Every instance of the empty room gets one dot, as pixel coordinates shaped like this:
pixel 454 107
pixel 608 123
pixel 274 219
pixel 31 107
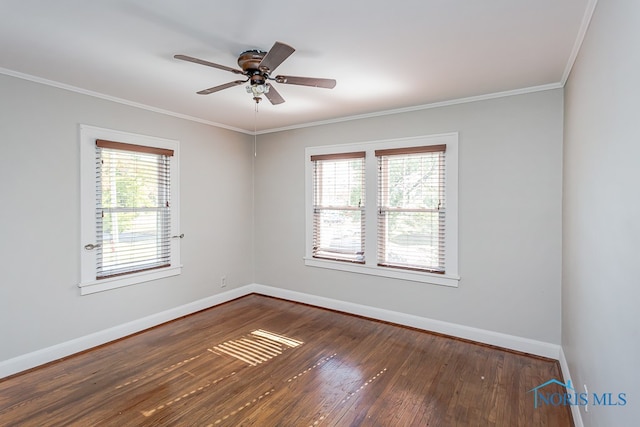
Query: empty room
pixel 284 213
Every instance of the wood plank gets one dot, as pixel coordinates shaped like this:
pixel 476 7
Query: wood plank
pixel 347 371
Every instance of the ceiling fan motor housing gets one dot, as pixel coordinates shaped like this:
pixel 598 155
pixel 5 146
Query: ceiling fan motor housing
pixel 258 79
pixel 250 60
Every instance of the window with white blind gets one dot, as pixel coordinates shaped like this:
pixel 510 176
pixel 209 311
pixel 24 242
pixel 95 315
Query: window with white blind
pixel 133 208
pixel 389 208
pixel 411 208
pixel 129 209
pixel 338 206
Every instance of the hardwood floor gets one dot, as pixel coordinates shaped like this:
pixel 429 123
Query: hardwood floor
pixel 260 361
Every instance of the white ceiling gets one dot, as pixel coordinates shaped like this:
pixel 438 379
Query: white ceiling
pixel 384 55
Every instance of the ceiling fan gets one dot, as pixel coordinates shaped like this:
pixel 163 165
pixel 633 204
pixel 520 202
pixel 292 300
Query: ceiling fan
pixel 257 66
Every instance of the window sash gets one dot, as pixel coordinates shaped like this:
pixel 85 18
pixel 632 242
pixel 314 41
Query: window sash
pixel 411 208
pixel 338 207
pixel 133 220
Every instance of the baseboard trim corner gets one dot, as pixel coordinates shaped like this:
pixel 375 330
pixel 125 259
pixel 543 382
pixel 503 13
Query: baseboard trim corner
pixel 566 375
pixel 59 351
pixel 49 354
pixel 498 339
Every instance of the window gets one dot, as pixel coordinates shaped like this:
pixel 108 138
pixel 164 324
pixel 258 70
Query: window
pixel 133 208
pixel 338 207
pixel 411 208
pixel 129 209
pixel 386 208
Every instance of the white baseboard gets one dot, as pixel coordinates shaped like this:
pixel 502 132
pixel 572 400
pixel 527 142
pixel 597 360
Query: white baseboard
pixel 566 375
pixel 511 342
pixel 58 351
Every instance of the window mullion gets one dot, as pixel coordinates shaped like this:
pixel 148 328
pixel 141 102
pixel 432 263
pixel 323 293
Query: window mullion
pixel 371 203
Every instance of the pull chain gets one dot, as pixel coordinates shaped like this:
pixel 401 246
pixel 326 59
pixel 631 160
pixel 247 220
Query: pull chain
pixel 255 136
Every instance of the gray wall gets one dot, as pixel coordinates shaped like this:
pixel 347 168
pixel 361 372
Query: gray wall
pixel 510 152
pixel 510 215
pixel 601 223
pixel 40 304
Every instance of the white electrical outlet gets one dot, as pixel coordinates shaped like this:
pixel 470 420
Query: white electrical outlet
pixel 223 281
pixel 586 407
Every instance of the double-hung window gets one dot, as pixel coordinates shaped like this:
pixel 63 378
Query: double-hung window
pixel 129 212
pixel 338 206
pixel 386 208
pixel 411 208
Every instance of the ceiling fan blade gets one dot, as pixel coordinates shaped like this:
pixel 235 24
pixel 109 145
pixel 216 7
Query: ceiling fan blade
pixel 276 56
pixel 207 63
pixel 307 81
pixel 273 96
pixel 221 87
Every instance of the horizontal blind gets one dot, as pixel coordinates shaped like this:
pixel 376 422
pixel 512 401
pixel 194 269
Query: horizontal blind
pixel 411 208
pixel 132 208
pixel 338 207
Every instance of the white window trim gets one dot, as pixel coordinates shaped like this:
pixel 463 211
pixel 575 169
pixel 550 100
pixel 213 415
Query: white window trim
pixel 451 277
pixel 88 283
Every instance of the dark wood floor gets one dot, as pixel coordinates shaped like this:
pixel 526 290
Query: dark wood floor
pixel 266 362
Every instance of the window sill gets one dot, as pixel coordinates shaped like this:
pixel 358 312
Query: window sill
pixel 128 280
pixel 414 276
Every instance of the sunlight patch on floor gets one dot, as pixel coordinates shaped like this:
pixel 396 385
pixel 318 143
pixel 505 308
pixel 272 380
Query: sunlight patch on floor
pixel 257 347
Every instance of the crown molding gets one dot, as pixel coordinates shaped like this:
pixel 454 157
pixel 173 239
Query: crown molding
pixel 584 26
pixel 127 102
pixel 477 98
pixel 447 103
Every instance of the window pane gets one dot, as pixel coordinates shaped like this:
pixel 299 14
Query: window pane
pixel 413 181
pixel 339 183
pixel 339 234
pixel 133 248
pixel 413 239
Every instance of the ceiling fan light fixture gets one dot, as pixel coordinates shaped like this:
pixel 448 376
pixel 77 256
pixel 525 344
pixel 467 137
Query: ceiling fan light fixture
pixel 258 90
